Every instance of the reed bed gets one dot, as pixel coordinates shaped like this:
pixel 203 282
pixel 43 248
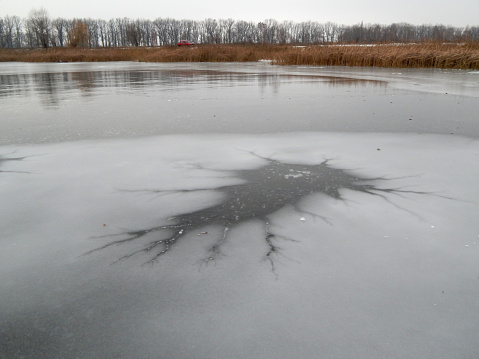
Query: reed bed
pixel 424 55
pixel 427 55
pixel 199 53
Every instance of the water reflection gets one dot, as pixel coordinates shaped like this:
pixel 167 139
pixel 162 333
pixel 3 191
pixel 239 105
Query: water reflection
pixel 64 102
pixel 50 86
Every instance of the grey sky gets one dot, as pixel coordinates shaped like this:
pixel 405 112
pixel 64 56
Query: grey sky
pixel 457 13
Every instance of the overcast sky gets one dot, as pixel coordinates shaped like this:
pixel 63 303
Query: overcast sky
pixel 457 13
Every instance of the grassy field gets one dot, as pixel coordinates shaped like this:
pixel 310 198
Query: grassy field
pixel 424 55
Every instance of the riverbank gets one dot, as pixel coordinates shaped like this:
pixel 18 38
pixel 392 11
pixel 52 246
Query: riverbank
pixel 424 55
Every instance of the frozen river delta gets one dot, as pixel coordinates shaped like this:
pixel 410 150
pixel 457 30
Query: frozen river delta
pixel 238 211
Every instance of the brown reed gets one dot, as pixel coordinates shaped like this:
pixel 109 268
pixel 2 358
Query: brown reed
pixel 422 55
pixel 425 55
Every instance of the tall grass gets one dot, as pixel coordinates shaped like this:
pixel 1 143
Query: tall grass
pixel 423 55
pixel 200 53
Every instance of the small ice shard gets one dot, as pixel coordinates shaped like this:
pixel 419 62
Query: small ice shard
pixel 302 219
pixel 293 175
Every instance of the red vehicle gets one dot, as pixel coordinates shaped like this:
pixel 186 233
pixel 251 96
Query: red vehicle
pixel 185 43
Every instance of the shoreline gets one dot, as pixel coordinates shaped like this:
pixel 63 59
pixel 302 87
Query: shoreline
pixel 420 55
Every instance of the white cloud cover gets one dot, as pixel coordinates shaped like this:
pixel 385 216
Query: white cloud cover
pixel 457 13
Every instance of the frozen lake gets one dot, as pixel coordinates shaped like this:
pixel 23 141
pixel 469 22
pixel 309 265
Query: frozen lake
pixel 238 211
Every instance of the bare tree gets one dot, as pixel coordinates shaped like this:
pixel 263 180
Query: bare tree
pixel 330 31
pixel 112 33
pixel 60 32
pixel 228 28
pixel 93 32
pixel 212 33
pixel 2 33
pixel 134 33
pixel 470 33
pixel 8 31
pixel 244 32
pixel 39 31
pixel 40 25
pixel 120 27
pixel 103 33
pixel 284 32
pixel 11 32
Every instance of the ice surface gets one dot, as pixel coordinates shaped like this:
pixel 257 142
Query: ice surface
pixel 316 212
pixel 43 103
pixel 365 275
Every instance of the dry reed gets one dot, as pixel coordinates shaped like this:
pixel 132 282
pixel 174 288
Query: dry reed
pixel 423 55
pixel 426 55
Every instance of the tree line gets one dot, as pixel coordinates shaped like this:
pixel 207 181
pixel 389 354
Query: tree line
pixel 39 30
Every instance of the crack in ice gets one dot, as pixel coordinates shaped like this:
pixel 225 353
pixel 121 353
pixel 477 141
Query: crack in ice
pixel 262 192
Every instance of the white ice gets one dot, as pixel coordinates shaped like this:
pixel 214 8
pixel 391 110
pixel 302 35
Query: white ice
pixel 392 277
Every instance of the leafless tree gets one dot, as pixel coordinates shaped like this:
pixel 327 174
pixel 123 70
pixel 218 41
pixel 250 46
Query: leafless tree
pixel 9 31
pixel 40 26
pixel 2 33
pixel 60 31
pixel 211 31
pixel 39 31
pixel 134 33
